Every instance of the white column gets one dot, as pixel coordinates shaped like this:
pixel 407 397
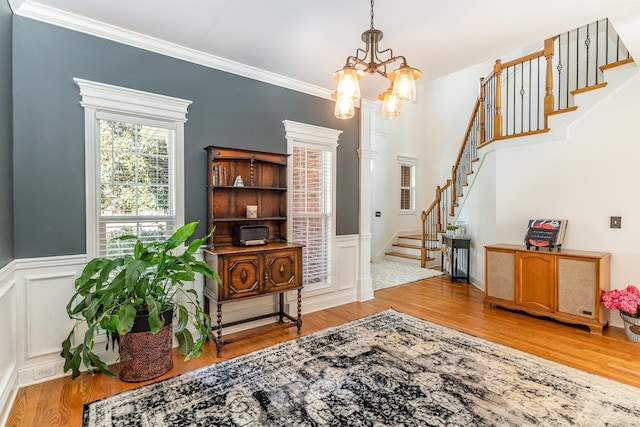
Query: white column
pixel 367 156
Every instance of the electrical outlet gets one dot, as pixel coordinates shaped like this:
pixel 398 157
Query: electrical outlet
pixel 615 222
pixel 44 371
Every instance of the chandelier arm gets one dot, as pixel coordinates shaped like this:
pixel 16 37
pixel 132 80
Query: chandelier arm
pixel 365 53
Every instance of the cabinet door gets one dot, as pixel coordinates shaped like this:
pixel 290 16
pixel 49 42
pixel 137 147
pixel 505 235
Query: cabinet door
pixel 241 275
pixel 577 287
pixel 535 286
pixel 282 270
pixel 500 273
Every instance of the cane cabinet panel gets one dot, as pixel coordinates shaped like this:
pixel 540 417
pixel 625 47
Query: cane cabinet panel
pixel 500 274
pixel 563 284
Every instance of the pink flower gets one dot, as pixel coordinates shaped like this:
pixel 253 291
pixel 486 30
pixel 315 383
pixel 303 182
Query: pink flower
pixel 626 300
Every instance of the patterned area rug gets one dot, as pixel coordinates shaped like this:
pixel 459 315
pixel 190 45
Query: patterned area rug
pixel 388 369
pixel 385 274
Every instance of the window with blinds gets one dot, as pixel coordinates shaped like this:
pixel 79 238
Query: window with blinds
pixel 137 184
pixel 312 204
pixel 407 188
pixel 134 157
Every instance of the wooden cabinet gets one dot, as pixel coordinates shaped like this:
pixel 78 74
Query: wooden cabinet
pixel 565 285
pixel 250 271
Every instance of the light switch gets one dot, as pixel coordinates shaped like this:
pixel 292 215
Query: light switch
pixel 616 222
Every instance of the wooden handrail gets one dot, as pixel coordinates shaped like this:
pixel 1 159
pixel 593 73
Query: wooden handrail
pixel 467 132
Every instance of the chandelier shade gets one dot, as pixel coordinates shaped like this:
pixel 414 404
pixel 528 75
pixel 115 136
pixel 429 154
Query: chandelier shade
pixel 404 83
pixel 348 86
pixel 373 60
pixel 391 105
pixel 345 107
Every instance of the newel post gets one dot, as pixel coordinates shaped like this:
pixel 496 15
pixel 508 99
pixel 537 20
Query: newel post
pixel 497 119
pixel 423 247
pixel 481 134
pixel 454 193
pixel 548 96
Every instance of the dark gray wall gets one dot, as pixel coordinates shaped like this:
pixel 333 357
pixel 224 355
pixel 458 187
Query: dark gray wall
pixel 227 110
pixel 6 137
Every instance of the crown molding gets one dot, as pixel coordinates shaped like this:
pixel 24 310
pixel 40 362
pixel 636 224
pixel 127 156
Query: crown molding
pixel 60 18
pixel 15 4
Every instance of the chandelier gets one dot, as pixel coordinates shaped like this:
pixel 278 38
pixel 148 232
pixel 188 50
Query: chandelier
pixel 402 87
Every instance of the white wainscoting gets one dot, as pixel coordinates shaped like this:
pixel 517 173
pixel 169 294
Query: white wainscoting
pixel 8 338
pixel 43 288
pixel 34 294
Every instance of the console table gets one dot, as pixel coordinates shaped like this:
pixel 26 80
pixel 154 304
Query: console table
pixel 565 285
pixel 458 257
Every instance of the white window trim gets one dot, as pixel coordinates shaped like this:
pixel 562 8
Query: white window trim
pixel 305 135
pixel 413 163
pixel 99 98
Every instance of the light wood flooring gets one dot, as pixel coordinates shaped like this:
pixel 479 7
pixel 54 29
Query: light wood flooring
pixel 59 402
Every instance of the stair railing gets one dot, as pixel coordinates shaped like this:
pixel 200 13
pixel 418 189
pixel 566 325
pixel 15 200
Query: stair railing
pixel 517 98
pixel 433 219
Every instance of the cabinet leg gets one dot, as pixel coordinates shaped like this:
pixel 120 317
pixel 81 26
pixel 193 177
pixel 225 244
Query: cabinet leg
pixel 219 331
pixel 281 307
pixel 299 322
pixel 596 329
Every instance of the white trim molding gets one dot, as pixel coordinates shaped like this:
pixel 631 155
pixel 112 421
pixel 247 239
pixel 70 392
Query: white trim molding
pixel 60 18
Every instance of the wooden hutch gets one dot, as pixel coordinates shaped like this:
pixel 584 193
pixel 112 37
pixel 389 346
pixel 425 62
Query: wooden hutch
pixel 236 179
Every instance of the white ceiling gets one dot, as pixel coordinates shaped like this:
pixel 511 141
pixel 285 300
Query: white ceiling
pixel 309 40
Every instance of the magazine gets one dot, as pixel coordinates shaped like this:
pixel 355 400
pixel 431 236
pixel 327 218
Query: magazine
pixel 557 225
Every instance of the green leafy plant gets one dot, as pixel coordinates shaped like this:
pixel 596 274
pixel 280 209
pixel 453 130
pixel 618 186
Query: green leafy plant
pixel 452 227
pixel 111 292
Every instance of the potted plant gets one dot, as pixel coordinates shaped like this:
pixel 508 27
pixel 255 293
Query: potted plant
pixel 627 301
pixel 451 230
pixel 143 290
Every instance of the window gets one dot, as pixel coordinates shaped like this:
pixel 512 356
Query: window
pixel 312 211
pixel 312 198
pixel 134 157
pixel 407 184
pixel 137 184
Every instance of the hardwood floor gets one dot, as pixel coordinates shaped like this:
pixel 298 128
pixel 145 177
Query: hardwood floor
pixel 459 306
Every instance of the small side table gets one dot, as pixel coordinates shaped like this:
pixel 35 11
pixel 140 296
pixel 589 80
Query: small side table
pixel 458 257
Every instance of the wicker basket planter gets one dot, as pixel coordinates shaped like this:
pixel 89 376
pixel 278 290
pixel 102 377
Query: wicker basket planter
pixel 143 354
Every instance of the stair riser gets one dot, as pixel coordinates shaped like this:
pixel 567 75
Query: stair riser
pixel 408 251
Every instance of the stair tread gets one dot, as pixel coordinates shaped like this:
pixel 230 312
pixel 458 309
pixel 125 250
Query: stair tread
pixel 404 245
pixel 398 254
pixel 411 236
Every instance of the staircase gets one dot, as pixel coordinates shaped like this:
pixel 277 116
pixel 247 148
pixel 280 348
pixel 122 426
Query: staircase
pixel 517 99
pixel 407 248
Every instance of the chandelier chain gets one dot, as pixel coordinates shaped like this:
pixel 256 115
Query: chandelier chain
pixel 372 14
